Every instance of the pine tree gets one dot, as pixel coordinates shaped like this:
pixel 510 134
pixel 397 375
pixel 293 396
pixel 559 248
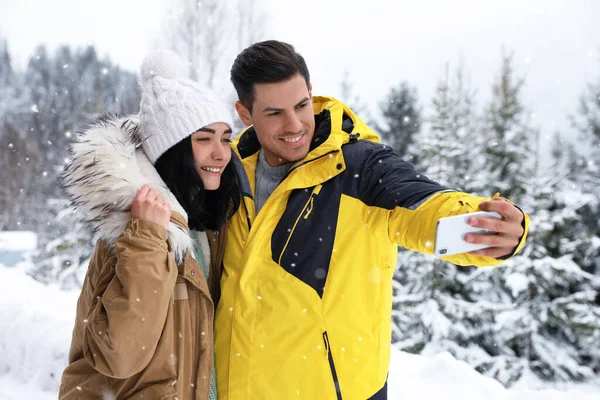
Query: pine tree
pixel 7 82
pixel 350 98
pixel 83 87
pixel 585 169
pixel 445 150
pixel 552 319
pixel 64 259
pixel 431 312
pixel 54 98
pixel 585 174
pixel 550 316
pixel 506 138
pixel 401 119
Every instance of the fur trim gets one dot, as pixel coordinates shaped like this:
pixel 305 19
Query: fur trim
pixel 204 246
pixel 106 170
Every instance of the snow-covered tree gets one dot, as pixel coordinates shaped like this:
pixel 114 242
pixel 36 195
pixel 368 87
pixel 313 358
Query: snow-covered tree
pixel 64 259
pixel 201 33
pixel 431 312
pixel 585 168
pixel 553 318
pixel 7 82
pixel 350 98
pixel 252 25
pixel 445 149
pixel 506 138
pixel 550 314
pixel 401 119
pixel 41 110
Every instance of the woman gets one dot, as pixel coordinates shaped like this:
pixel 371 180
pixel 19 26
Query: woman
pixel 145 315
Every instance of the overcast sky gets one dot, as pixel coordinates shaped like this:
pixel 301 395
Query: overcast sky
pixel 380 42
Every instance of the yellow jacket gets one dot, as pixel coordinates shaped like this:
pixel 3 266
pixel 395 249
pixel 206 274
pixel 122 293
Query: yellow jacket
pixel 306 286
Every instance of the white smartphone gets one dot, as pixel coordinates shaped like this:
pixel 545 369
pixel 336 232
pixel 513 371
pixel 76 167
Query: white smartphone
pixel 450 233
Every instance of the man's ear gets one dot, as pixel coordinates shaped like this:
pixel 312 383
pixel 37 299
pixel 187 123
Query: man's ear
pixel 243 113
pixel 310 90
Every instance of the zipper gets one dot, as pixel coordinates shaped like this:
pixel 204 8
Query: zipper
pixel 295 167
pixel 192 298
pixel 247 213
pixel 292 169
pixel 201 336
pixel 315 192
pixel 309 202
pixel 336 383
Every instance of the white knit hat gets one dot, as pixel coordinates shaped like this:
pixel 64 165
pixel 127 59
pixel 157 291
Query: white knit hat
pixel 173 107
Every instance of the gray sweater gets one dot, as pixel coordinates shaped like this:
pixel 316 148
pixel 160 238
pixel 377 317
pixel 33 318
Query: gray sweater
pixel 267 179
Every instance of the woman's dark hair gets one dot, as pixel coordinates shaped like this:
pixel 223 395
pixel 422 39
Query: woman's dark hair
pixel 206 209
pixel 270 61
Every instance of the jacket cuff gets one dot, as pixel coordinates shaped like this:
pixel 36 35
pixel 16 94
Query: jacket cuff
pixel 525 225
pixel 147 230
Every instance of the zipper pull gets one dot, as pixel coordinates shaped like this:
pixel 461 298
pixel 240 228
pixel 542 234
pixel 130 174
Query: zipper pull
pixel 310 207
pixel 326 341
pixel 314 193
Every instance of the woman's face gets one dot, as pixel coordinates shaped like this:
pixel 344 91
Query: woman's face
pixel 212 153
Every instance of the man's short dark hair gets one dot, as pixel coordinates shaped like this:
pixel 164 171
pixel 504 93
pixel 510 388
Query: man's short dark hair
pixel 270 61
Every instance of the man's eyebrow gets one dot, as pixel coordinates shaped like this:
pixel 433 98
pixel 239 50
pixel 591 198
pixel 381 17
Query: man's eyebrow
pixel 273 109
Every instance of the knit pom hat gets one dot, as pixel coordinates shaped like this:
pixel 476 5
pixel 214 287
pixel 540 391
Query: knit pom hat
pixel 172 106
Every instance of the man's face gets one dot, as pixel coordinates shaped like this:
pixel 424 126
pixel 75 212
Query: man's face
pixel 283 118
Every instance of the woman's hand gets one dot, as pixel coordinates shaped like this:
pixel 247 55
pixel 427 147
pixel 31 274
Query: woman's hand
pixel 149 206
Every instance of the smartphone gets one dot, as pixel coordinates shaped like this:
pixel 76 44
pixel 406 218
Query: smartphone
pixel 451 231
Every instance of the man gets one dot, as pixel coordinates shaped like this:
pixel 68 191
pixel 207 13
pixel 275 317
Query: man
pixel 306 286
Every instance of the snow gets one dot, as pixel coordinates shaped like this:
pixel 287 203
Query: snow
pixel 37 321
pixel 517 282
pixel 36 328
pixel 13 389
pixel 17 241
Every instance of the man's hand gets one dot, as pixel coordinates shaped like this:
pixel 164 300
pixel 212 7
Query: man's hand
pixel 149 206
pixel 508 230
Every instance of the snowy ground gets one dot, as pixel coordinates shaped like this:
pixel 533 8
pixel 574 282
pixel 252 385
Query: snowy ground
pixel 35 331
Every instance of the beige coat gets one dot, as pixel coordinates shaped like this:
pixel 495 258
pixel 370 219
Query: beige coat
pixel 144 322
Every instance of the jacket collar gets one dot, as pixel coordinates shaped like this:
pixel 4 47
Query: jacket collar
pixel 335 125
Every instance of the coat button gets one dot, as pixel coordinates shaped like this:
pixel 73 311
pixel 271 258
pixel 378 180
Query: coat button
pixel 339 166
pixel 193 273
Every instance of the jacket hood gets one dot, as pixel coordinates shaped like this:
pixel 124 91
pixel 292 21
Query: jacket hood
pixel 107 167
pixel 344 125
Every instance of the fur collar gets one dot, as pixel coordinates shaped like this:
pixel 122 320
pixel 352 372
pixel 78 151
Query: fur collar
pixel 107 168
